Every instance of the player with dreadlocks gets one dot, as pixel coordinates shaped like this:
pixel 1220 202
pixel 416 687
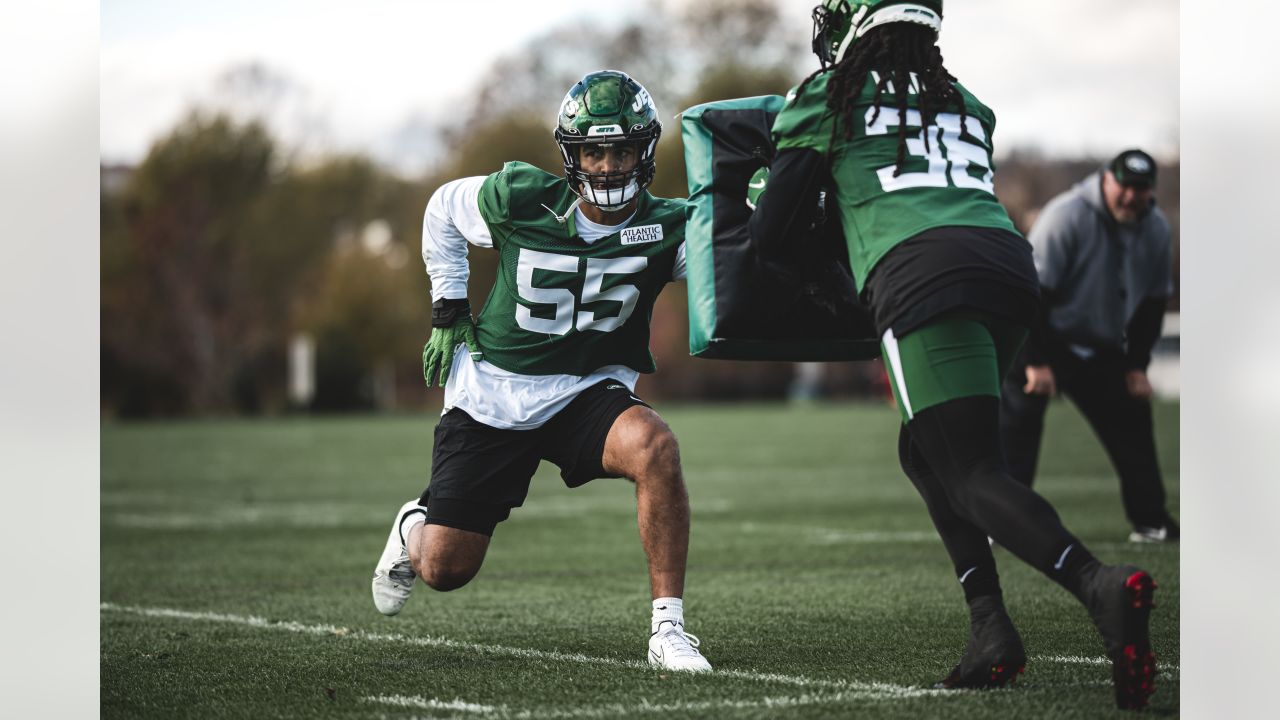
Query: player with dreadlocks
pixel 885 137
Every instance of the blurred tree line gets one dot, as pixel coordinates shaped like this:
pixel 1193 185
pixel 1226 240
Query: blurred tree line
pixel 221 247
pixel 215 253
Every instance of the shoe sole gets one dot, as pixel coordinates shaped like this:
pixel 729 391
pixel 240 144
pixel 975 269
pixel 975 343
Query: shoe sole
pixel 999 676
pixel 659 666
pixel 390 611
pixel 1133 668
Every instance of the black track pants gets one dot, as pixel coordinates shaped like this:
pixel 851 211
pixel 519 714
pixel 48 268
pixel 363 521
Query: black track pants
pixel 1122 423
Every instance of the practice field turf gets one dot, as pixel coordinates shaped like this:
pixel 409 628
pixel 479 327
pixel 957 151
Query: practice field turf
pixel 236 559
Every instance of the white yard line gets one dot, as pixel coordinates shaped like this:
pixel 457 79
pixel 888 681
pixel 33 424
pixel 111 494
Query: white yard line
pixel 612 710
pixel 235 516
pixel 430 703
pixel 842 537
pixel 848 686
pixel 838 536
pixel 824 691
pixel 1092 660
pixel 285 514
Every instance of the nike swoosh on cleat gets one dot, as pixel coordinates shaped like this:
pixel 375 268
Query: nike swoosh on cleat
pixel 656 656
pixel 755 185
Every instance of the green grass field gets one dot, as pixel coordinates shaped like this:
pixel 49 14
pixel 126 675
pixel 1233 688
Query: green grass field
pixel 236 559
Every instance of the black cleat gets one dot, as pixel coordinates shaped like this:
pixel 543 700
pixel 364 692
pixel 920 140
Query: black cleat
pixel 994 656
pixel 1120 599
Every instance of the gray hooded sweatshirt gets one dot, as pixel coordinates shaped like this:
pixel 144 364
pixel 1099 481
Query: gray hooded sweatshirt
pixel 1098 271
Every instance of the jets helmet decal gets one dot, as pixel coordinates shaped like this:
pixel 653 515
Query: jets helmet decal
pixel 606 108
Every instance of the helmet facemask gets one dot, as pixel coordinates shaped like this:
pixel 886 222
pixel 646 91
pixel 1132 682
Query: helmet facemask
pixel 832 25
pixel 608 109
pixel 609 190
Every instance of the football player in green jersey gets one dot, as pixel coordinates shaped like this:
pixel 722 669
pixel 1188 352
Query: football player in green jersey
pixel 903 152
pixel 550 365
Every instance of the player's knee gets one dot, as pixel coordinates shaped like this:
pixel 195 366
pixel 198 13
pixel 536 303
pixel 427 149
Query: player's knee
pixel 445 577
pixel 977 482
pixel 446 571
pixel 659 452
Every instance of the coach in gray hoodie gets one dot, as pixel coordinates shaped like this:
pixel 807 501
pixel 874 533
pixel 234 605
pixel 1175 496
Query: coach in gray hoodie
pixel 1104 256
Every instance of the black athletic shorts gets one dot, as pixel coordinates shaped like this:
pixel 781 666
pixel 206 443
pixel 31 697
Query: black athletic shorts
pixel 479 472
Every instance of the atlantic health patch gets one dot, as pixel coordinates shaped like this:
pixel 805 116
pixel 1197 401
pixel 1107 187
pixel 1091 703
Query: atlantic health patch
pixel 641 234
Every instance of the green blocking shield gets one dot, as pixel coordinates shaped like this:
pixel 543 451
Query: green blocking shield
pixel 739 310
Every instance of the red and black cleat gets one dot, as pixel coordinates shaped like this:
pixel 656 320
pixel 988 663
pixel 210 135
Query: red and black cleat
pixel 995 676
pixel 994 656
pixel 1120 601
pixel 1133 669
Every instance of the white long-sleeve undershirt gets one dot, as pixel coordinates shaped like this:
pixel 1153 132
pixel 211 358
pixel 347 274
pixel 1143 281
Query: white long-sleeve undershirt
pixel 451 221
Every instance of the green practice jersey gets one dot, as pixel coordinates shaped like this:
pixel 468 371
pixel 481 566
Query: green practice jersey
pixel 947 184
pixel 561 305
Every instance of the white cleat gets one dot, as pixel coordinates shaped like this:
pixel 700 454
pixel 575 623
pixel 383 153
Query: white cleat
pixel 1143 534
pixel 672 648
pixel 393 578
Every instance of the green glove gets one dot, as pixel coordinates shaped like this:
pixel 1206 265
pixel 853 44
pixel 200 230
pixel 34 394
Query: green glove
pixel 755 187
pixel 452 325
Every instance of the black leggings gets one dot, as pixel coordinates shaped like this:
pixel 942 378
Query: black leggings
pixel 952 454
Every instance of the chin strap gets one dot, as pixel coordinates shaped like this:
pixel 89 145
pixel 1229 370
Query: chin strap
pixel 562 218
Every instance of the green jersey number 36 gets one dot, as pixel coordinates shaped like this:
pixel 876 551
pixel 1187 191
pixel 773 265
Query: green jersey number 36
pixel 565 317
pixel 950 157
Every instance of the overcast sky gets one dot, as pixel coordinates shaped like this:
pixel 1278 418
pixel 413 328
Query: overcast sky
pixel 1073 78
